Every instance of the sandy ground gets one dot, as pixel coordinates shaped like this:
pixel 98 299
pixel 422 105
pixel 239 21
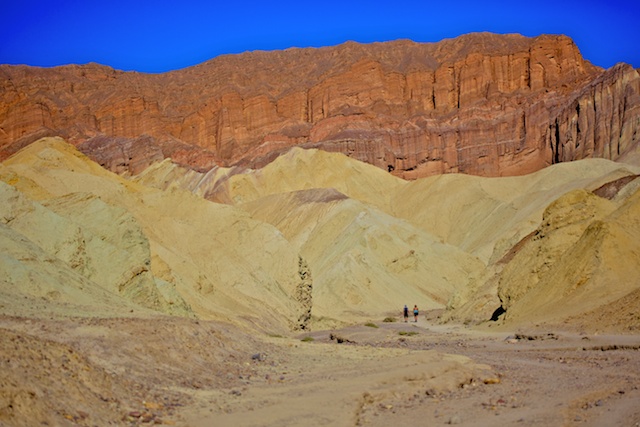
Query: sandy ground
pixel 171 371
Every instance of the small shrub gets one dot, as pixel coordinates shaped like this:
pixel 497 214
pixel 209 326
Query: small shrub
pixel 371 325
pixel 389 319
pixel 409 334
pixel 307 339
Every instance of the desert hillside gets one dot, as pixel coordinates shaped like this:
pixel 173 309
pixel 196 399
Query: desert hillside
pixel 143 299
pixel 482 104
pixel 143 245
pixel 315 239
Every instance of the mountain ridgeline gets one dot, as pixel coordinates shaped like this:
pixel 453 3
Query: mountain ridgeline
pixel 482 104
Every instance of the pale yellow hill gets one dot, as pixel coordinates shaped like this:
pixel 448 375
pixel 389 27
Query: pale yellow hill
pixel 482 216
pixel 486 216
pixel 166 175
pixel 363 261
pixel 301 169
pixel 318 237
pixel 34 284
pixel 336 212
pixel 44 265
pixel 220 262
pixel 585 255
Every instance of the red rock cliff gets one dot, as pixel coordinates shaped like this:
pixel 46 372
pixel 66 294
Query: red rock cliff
pixel 483 104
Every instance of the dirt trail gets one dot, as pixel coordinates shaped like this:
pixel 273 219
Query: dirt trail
pixel 324 384
pixel 544 378
pixel 184 372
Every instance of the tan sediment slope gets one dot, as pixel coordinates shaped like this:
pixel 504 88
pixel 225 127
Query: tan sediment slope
pixel 50 262
pixel 583 258
pixel 364 262
pixel 191 255
pixel 487 216
pixel 301 169
pixel 167 175
pixel 307 193
pixel 575 268
pixel 313 236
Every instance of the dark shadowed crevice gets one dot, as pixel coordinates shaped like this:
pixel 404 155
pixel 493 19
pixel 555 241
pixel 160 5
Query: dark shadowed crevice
pixel 497 313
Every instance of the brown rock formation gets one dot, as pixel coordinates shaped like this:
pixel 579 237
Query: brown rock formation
pixel 483 104
pixel 134 155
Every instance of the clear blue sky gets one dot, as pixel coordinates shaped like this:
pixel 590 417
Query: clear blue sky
pixel 157 36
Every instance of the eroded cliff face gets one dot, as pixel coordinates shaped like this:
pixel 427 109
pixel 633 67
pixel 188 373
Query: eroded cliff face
pixel 482 104
pixel 601 120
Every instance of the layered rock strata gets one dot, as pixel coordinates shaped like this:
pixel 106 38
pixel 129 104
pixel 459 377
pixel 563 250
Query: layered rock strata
pixel 482 104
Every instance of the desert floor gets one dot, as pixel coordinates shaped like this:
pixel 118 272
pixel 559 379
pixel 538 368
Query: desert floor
pixel 185 372
pixel 538 378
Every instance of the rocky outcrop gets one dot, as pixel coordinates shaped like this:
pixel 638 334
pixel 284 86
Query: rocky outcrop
pixel 602 120
pixel 304 294
pixel 482 104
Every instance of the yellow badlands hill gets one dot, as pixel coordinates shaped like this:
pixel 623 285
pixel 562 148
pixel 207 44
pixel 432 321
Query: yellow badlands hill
pixel 316 239
pixel 166 251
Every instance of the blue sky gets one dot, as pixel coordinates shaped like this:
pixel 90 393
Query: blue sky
pixel 157 36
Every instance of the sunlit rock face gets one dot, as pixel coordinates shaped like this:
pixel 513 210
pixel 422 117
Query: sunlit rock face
pixel 482 104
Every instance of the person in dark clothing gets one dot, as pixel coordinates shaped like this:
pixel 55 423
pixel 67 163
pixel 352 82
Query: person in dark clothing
pixel 406 313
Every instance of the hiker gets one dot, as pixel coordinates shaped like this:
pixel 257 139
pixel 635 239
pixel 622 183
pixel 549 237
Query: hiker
pixel 406 313
pixel 415 313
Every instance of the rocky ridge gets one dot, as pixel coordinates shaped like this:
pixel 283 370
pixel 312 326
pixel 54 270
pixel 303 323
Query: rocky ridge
pixel 483 104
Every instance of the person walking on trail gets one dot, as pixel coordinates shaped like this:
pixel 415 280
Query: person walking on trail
pixel 406 313
pixel 415 313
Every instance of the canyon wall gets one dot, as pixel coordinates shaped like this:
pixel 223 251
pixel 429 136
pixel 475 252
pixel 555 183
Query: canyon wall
pixel 482 104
